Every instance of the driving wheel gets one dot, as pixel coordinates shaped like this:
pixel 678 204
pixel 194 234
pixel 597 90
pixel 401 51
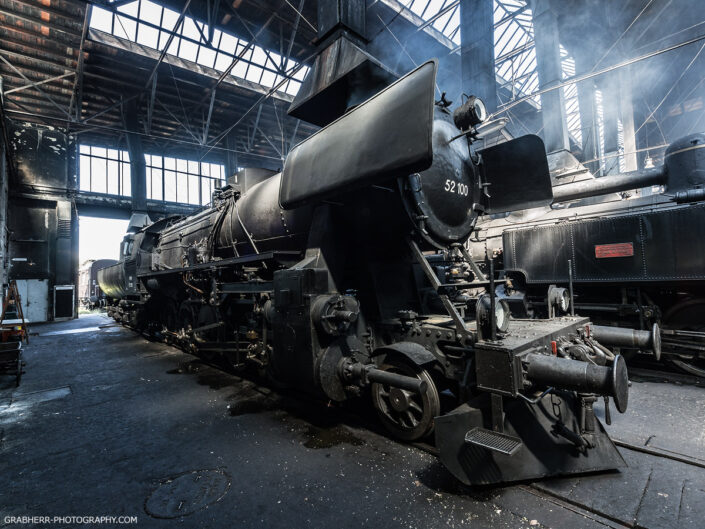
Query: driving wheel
pixel 407 415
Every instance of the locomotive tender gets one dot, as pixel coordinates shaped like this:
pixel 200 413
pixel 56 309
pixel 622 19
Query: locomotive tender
pixel 345 276
pixel 637 262
pixel 90 295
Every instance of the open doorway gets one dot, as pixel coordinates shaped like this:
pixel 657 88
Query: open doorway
pixel 98 247
pixel 99 238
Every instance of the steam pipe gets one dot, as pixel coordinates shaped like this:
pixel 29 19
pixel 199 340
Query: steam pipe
pixel 610 184
pixel 575 375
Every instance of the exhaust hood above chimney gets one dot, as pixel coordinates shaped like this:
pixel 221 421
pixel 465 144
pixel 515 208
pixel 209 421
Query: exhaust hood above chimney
pixel 343 74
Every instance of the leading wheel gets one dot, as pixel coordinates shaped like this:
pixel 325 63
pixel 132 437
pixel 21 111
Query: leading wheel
pixel 407 415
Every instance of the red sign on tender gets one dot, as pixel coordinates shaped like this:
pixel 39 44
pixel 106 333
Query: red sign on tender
pixel 620 249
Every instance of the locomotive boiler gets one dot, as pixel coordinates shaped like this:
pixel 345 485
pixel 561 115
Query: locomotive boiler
pixel 345 276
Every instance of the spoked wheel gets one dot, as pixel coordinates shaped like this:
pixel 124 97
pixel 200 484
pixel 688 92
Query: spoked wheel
pixel 407 415
pixel 688 315
pixel 167 320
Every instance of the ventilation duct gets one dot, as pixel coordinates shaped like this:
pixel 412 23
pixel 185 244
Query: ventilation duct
pixel 343 74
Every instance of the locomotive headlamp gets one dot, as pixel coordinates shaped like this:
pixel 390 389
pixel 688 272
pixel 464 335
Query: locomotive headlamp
pixel 471 113
pixel 479 109
pixel 501 314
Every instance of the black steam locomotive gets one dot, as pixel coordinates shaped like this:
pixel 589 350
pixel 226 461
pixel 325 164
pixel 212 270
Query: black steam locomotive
pixel 345 276
pixel 637 261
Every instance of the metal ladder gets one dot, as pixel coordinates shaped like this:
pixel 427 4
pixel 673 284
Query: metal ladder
pixel 494 440
pixel 13 298
pixel 442 288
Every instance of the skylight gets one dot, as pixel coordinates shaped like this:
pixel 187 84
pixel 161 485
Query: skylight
pixel 570 96
pixel 443 15
pixel 147 23
pixel 515 54
pixel 515 59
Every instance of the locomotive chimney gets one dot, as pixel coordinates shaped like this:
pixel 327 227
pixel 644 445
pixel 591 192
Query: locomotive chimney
pixel 343 74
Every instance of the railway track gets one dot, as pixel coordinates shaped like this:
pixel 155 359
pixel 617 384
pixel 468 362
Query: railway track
pixel 628 519
pixel 549 490
pixel 645 369
pixel 562 496
pixel 674 456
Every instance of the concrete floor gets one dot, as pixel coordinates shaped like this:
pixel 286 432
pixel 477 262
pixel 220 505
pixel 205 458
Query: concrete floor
pixel 107 423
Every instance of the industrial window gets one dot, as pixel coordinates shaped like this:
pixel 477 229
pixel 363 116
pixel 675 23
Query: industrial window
pixel 570 97
pixel 183 181
pixel 104 170
pixel 515 60
pixel 515 55
pixel 606 162
pixel 150 24
pixel 515 52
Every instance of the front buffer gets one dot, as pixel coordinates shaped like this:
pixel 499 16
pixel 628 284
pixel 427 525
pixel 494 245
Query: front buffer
pixel 534 417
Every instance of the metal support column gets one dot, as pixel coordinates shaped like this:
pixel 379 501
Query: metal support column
pixel 231 161
pixel 4 183
pixel 627 113
pixel 548 58
pixel 588 117
pixel 138 170
pixel 609 86
pixel 477 50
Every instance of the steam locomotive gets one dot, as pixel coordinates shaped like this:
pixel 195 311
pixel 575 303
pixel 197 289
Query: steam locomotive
pixel 345 276
pixel 635 260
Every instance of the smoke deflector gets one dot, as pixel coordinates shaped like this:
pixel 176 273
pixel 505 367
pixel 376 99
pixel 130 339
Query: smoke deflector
pixel 386 136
